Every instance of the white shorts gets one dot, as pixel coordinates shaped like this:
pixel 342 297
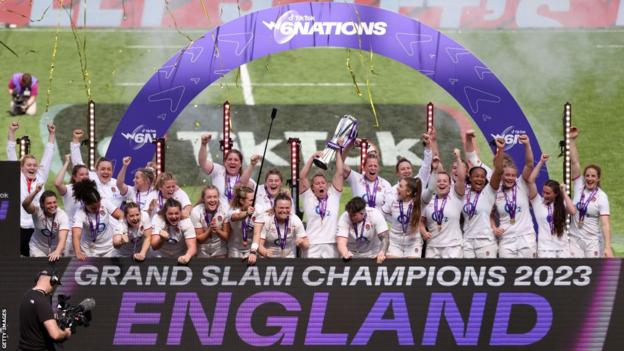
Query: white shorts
pixel 89 252
pixel 212 251
pixel 321 251
pixel 553 253
pixel 480 248
pixel 522 246
pixel 409 250
pixel 580 247
pixel 237 253
pixel 444 252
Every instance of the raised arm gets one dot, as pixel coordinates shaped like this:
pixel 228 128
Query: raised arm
pixel 304 183
pixel 498 164
pixel 528 156
pixel 533 176
pixel 575 163
pixel 202 157
pixel 48 152
pixel 460 181
pixel 74 146
pixel 10 150
pixel 27 203
pixel 472 152
pixel 338 179
pixel 246 175
pixel 569 205
pixel 59 181
pixel 425 167
pixel 121 185
pixel 433 136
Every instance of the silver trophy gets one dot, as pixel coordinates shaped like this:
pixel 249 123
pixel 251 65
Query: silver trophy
pixel 347 129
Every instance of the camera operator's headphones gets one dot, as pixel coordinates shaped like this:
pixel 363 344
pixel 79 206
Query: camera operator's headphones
pixel 54 278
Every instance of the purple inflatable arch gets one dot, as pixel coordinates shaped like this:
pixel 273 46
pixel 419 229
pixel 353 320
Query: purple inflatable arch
pixel 325 24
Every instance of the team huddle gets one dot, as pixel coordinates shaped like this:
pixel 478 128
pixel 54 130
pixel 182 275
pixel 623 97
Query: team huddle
pixel 469 211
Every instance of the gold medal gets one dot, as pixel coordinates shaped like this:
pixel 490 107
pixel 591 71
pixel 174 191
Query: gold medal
pixel 439 227
pixel 580 224
pixel 513 221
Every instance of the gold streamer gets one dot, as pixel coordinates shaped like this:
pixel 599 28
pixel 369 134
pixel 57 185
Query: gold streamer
pixel 175 23
pixel 53 59
pixel 82 55
pixel 371 69
pixel 372 104
pixel 355 83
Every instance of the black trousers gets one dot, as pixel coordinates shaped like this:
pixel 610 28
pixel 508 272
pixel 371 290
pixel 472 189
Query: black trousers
pixel 25 234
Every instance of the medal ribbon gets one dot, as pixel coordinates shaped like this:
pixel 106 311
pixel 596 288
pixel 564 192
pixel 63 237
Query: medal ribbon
pixel 244 227
pixel 93 229
pixel 511 206
pixel 438 212
pixel 371 198
pixel 228 186
pixel 322 207
pixel 361 235
pixel 550 219
pixel 404 219
pixel 282 240
pixel 582 205
pixel 471 206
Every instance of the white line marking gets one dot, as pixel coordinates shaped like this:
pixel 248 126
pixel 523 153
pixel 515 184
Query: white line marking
pixel 277 85
pixel 610 46
pixel 246 81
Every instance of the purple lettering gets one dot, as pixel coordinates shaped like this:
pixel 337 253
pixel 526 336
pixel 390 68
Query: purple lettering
pixel 464 333
pixel 314 334
pixel 129 317
pixel 288 325
pixel 375 321
pixel 187 303
pixel 503 313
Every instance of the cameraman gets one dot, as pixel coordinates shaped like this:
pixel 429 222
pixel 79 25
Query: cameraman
pixel 38 328
pixel 23 89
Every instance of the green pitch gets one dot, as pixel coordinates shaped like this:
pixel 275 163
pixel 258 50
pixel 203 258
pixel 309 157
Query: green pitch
pixel 542 68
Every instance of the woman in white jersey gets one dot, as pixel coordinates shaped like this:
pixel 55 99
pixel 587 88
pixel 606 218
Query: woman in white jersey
pixel 143 183
pixel 79 173
pixel 241 218
pixel 369 186
pixel 267 192
pixel 31 174
pixel 362 232
pixel 167 188
pixel 94 223
pixel 590 230
pixel 225 177
pixel 103 175
pixel 515 232
pixel 174 236
pixel 209 218
pixel 321 206
pixel 439 224
pixel 402 210
pixel 132 237
pixel 404 168
pixel 51 225
pixel 550 210
pixel 281 233
pixel 479 238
